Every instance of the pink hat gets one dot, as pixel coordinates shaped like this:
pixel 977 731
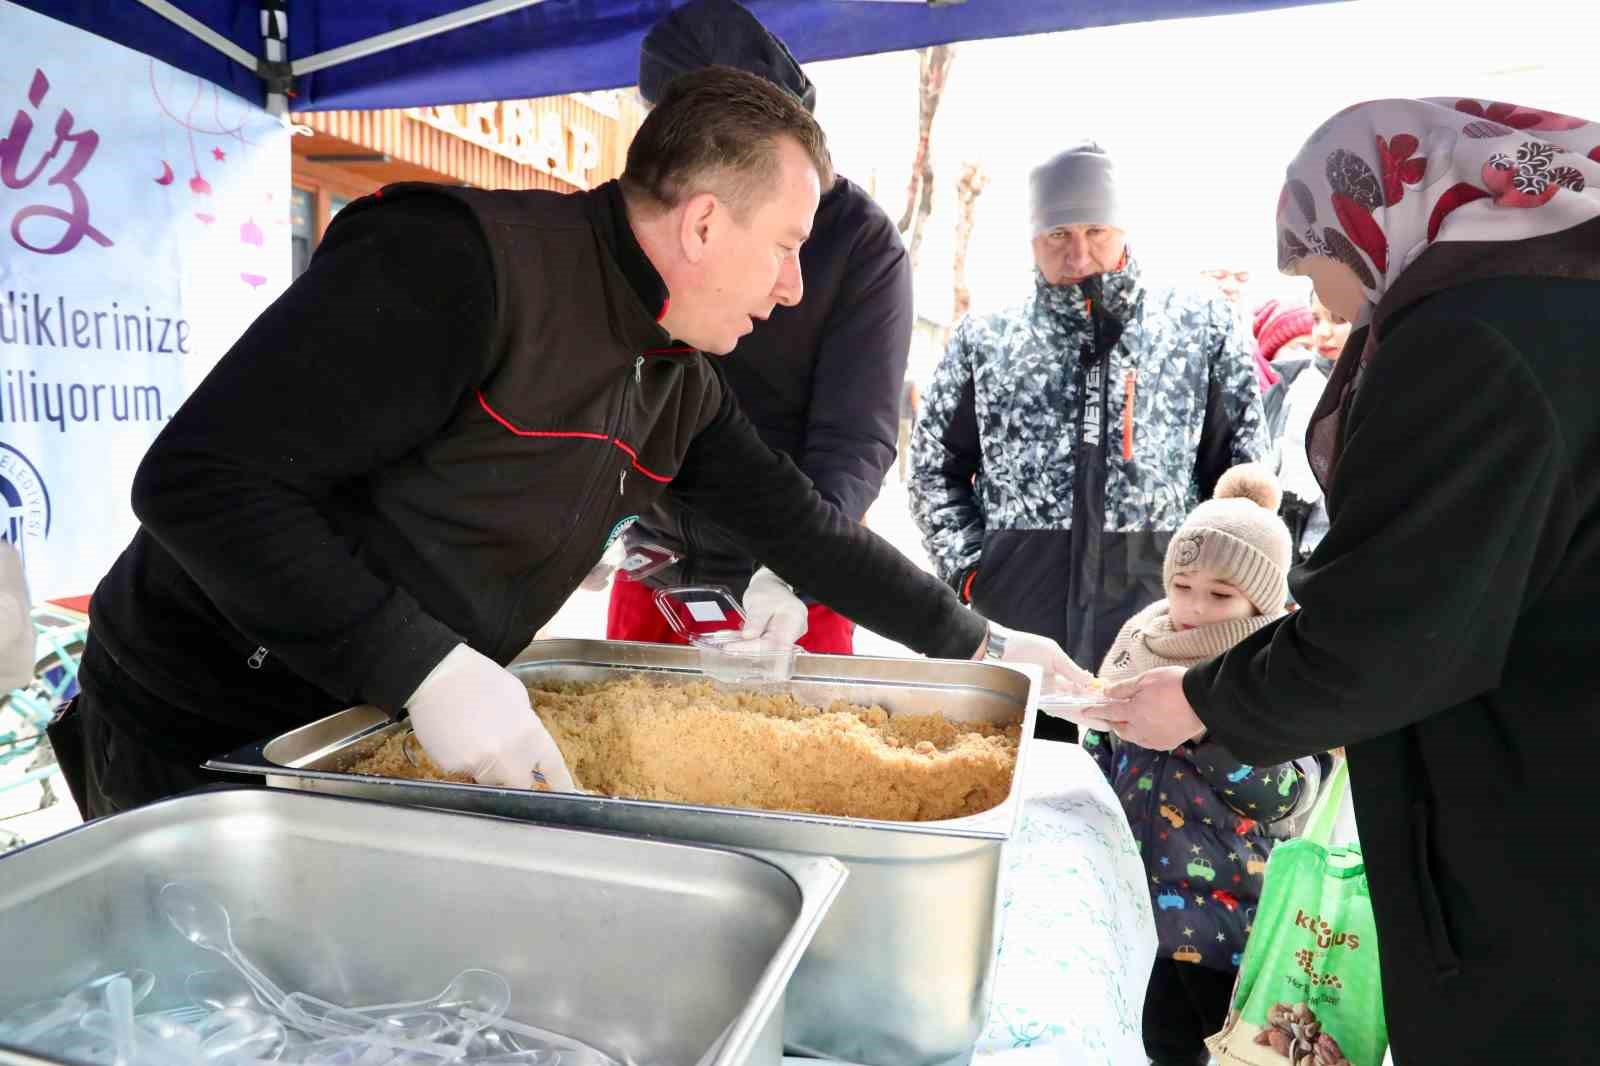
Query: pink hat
pixel 1277 325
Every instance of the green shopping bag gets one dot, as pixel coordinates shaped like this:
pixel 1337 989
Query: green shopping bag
pixel 1309 992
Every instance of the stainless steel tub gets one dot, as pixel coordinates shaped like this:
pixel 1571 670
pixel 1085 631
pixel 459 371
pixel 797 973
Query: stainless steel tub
pixel 651 950
pixel 899 974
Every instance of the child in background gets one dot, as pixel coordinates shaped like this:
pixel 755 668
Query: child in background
pixel 1289 405
pixel 1201 817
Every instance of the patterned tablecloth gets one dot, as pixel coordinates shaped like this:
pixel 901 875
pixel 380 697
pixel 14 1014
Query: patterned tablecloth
pixel 1077 936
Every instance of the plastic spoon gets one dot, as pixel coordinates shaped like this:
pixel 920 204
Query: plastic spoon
pixel 413 1028
pixel 491 1042
pixel 483 994
pixel 119 1002
pixel 482 991
pixel 167 1029
pixel 152 1040
pixel 239 1031
pixel 204 923
pixel 424 1025
pixel 27 1024
pixel 341 1023
pixel 572 1050
pixel 218 990
pixel 141 982
pixel 479 998
pixel 178 1015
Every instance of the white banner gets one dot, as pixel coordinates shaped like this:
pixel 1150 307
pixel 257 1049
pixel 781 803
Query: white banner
pixel 143 225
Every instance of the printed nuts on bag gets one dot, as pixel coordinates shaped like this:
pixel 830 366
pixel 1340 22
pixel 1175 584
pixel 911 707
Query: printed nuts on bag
pixel 1294 1032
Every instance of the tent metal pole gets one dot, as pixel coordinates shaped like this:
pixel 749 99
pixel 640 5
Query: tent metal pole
pixel 202 31
pixel 395 38
pixel 275 52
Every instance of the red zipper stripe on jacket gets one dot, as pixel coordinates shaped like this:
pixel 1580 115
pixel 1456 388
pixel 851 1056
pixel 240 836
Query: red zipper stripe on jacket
pixel 498 417
pixel 1130 384
pixel 633 456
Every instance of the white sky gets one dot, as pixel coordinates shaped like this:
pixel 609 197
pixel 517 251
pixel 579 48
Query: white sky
pixel 1202 115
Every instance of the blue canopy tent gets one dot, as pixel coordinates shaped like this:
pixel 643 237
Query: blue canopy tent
pixel 336 54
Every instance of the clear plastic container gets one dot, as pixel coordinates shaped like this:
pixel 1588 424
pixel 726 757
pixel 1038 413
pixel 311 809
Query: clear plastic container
pixel 710 618
pixel 700 610
pixel 742 666
pixel 643 560
pixel 1088 709
pixel 1076 699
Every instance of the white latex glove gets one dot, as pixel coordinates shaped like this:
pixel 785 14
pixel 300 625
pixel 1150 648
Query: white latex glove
pixel 1060 673
pixel 473 717
pixel 774 617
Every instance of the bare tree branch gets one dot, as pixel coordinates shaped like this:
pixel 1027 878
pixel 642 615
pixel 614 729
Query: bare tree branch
pixel 934 65
pixel 968 189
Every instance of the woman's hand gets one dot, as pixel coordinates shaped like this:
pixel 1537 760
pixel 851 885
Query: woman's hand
pixel 1157 714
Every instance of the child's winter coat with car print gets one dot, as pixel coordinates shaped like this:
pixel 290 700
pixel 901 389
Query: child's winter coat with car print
pixel 1205 825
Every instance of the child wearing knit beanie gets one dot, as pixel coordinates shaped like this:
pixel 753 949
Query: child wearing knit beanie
pixel 1201 816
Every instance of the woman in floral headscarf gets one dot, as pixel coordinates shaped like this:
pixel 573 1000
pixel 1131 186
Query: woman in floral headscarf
pixel 1449 630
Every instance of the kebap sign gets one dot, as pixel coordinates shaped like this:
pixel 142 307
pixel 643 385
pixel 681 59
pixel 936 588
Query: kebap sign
pixel 143 225
pixel 524 133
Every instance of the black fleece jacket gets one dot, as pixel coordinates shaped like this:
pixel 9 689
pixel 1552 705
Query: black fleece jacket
pixel 427 440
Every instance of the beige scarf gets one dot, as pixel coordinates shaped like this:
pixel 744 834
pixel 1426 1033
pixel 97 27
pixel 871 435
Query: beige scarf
pixel 1150 640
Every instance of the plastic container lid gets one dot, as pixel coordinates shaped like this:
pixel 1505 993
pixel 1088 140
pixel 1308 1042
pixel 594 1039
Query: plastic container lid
pixel 643 560
pixel 708 617
pixel 697 610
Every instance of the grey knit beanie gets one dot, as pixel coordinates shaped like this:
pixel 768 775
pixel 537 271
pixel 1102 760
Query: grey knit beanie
pixel 1077 187
pixel 1237 536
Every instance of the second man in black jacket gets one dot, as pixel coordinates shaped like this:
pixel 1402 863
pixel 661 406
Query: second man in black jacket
pixel 820 381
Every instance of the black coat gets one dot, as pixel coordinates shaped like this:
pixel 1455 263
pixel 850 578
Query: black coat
pixel 1448 637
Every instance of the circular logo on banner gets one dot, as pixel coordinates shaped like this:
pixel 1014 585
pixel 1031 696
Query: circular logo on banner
pixel 24 501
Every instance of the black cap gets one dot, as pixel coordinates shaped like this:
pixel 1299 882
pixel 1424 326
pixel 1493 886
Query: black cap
pixel 720 33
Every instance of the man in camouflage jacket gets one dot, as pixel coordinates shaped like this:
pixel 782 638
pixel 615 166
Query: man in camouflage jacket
pixel 1063 441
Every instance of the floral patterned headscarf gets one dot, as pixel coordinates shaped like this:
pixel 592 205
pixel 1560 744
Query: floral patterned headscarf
pixel 1415 196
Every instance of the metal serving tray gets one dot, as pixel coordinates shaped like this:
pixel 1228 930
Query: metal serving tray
pixel 900 972
pixel 657 952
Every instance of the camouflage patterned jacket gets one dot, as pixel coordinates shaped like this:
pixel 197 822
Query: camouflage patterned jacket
pixel 1063 441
